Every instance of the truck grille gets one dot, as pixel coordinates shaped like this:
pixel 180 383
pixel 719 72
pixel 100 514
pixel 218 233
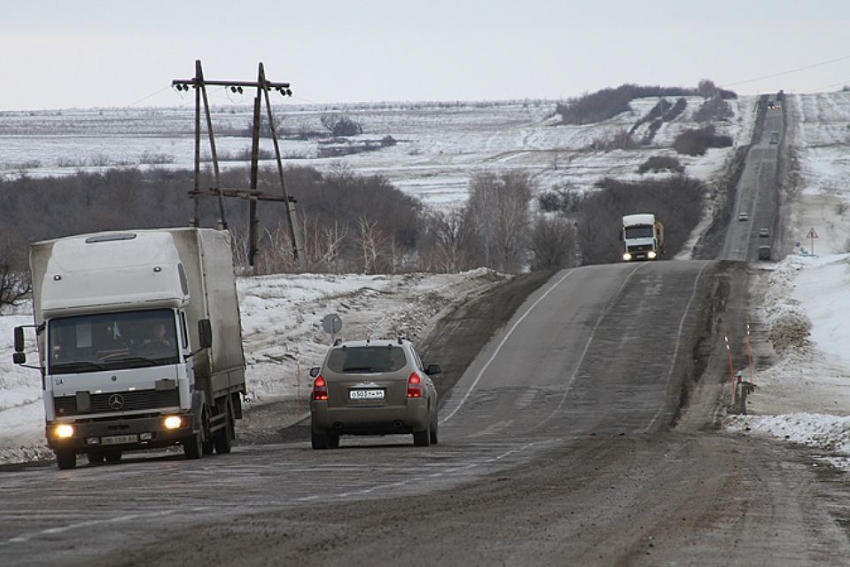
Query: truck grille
pixel 136 400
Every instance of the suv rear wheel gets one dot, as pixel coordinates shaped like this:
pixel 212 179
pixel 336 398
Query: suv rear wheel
pixel 319 440
pixel 422 438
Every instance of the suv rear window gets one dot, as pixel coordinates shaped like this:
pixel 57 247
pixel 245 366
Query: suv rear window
pixel 367 359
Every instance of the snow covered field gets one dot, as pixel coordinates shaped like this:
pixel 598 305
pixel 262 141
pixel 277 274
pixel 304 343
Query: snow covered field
pixel 440 146
pixel 804 396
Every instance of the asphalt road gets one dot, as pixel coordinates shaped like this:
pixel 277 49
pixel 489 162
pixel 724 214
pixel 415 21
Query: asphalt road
pixel 555 444
pixel 757 193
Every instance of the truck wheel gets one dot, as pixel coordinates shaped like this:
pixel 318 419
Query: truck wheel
pixel 422 438
pixel 193 446
pixel 319 440
pixel 224 437
pixel 207 448
pixel 66 458
pixel 112 456
pixel 95 457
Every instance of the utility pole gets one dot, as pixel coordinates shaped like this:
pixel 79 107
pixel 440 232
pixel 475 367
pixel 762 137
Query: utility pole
pixel 252 194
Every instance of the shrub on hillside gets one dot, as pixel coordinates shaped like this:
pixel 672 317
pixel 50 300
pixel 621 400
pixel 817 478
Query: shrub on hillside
pixel 563 198
pixel 675 110
pixel 657 164
pixel 714 109
pixel 621 140
pixel 341 125
pixel 696 142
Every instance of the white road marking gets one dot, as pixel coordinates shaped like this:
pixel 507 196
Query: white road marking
pixel 88 523
pixel 501 344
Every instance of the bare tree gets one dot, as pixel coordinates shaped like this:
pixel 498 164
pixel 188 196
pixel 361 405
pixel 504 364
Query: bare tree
pixel 333 238
pixel 371 242
pixel 448 242
pixel 497 211
pixel 552 243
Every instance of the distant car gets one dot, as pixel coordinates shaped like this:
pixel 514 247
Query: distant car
pixel 743 216
pixel 764 252
pixel 373 387
pixel 764 232
pixel 774 138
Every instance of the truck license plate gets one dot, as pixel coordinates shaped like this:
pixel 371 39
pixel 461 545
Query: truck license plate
pixel 119 439
pixel 366 394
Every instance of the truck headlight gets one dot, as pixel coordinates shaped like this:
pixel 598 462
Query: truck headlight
pixel 172 422
pixel 651 255
pixel 627 256
pixel 64 431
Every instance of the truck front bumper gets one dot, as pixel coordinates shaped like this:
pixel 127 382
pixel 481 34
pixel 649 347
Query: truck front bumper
pixel 120 434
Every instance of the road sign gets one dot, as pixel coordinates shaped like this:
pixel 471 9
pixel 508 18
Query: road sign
pixel 332 324
pixel 811 236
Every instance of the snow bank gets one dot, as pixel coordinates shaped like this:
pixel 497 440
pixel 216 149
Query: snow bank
pixel 827 432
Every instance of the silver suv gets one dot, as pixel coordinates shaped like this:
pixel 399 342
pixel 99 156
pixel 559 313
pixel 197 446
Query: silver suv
pixel 373 387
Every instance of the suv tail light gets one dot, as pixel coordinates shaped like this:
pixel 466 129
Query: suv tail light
pixel 320 389
pixel 414 386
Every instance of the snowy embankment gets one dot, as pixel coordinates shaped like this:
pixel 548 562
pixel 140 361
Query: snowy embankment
pixel 282 336
pixel 804 396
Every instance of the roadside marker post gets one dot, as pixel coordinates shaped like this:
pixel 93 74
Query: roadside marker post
pixel 750 356
pixel 731 371
pixel 298 381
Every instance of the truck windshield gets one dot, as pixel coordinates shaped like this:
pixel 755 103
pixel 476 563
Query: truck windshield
pixel 113 341
pixel 639 232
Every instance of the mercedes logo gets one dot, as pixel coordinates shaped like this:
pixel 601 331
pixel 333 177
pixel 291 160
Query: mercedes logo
pixel 116 401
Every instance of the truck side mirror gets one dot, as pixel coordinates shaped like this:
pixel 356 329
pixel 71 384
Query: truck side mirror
pixel 314 371
pixel 205 333
pixel 19 339
pixel 19 358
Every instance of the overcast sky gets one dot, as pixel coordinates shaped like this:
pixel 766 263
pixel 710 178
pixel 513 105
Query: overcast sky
pixel 62 54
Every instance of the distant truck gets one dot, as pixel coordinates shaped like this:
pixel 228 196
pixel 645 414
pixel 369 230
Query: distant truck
pixel 642 237
pixel 139 342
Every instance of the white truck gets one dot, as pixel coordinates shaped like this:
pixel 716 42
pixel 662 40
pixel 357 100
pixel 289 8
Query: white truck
pixel 642 236
pixel 139 342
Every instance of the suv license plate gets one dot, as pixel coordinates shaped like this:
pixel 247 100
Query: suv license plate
pixel 119 439
pixel 366 394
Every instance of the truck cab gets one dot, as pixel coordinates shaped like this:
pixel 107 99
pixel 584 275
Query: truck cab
pixel 125 342
pixel 642 236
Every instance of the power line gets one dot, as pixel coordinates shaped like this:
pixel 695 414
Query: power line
pixel 832 86
pixel 149 96
pixel 831 61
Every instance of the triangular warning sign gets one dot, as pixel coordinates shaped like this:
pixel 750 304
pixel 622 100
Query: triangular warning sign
pixel 812 233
